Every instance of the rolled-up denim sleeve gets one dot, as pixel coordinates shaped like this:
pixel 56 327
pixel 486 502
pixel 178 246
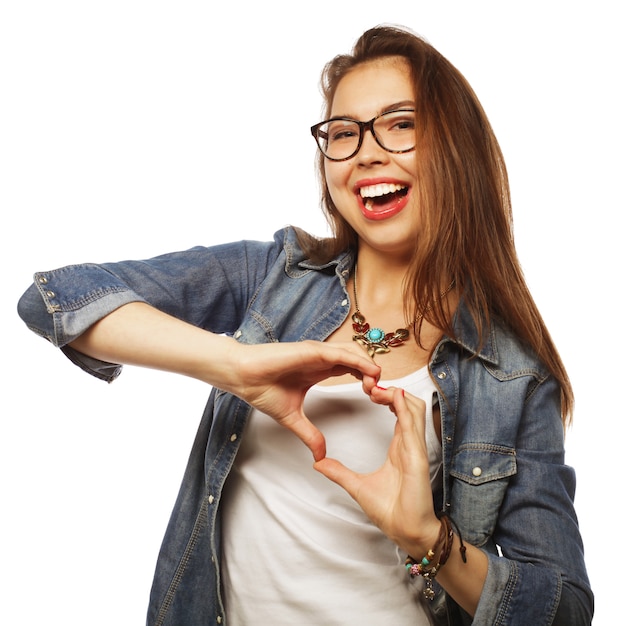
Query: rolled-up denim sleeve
pixel 62 304
pixel 207 287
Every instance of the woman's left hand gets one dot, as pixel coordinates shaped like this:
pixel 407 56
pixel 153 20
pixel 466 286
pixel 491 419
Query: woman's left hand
pixel 397 497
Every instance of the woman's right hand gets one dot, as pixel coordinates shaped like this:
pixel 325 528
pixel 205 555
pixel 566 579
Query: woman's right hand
pixel 272 377
pixel 275 378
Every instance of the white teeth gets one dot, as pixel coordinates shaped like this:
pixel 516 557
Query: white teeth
pixel 374 191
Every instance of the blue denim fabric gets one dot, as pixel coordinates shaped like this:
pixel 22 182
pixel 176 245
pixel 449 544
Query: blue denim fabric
pixel 505 482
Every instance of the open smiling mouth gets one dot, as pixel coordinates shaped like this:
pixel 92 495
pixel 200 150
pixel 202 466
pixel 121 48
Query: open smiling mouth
pixel 382 196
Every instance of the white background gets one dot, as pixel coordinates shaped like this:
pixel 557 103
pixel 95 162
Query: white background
pixel 130 128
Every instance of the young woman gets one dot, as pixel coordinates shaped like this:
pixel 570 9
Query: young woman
pixel 459 509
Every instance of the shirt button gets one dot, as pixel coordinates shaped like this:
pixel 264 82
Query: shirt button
pixel 211 499
pixel 233 437
pixel 442 376
pixel 344 303
pixel 238 334
pixel 50 294
pixel 43 280
pixel 219 619
pixel 477 472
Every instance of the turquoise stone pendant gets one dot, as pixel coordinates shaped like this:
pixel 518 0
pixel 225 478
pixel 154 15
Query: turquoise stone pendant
pixel 375 340
pixel 375 335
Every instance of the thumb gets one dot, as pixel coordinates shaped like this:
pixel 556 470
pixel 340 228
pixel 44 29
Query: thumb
pixel 314 440
pixel 309 434
pixel 337 472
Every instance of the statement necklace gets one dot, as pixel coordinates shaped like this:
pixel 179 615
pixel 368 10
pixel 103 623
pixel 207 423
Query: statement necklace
pixel 376 340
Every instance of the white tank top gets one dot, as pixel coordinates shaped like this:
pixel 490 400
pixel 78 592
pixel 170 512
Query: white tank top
pixel 296 548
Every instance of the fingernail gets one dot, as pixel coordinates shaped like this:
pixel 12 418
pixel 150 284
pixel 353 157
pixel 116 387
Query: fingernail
pixel 379 387
pixel 402 391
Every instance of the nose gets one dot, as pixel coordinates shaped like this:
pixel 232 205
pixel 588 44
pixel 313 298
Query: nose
pixel 371 152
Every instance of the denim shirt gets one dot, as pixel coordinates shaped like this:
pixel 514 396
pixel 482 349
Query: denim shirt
pixel 505 483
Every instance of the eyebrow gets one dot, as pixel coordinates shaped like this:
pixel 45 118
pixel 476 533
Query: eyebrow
pixel 398 105
pixel 390 107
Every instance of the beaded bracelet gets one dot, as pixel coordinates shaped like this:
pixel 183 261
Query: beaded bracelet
pixel 443 546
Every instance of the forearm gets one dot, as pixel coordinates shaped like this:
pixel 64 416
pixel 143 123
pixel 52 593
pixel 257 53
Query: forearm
pixel 462 573
pixel 138 334
pixel 464 581
pixel 273 377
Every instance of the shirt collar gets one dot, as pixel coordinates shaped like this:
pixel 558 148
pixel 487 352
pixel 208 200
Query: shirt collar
pixel 465 329
pixel 467 336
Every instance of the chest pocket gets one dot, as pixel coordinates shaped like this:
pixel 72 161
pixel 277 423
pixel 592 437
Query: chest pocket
pixel 480 476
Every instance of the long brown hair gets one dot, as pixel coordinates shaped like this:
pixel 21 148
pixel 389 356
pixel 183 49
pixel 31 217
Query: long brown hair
pixel 464 200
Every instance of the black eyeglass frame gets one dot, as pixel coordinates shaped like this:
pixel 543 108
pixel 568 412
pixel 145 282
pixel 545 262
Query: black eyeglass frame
pixel 363 126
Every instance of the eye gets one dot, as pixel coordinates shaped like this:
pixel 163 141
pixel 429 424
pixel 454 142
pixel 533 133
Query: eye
pixel 398 121
pixel 342 134
pixel 342 130
pixel 405 125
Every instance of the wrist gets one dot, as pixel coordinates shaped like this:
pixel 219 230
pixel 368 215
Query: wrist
pixel 436 557
pixel 428 535
pixel 218 363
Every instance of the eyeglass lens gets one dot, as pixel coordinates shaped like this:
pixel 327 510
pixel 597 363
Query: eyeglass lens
pixel 340 138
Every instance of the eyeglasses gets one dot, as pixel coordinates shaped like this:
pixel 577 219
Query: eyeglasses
pixel 340 138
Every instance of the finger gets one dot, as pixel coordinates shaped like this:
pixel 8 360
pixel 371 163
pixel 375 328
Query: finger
pixel 382 395
pixel 369 383
pixel 316 444
pixel 355 360
pixel 411 414
pixel 340 370
pixel 339 474
pixel 309 434
pixel 417 407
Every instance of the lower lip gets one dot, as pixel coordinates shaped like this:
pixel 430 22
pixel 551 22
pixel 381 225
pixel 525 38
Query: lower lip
pixel 386 213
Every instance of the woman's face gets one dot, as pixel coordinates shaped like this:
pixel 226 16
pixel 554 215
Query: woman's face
pixel 374 190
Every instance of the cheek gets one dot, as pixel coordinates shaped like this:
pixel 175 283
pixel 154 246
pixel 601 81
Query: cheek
pixel 408 162
pixel 337 176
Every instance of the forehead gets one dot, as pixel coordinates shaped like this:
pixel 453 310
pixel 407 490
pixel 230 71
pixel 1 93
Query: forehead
pixel 371 87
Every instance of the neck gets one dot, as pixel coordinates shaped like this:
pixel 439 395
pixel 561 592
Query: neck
pixel 381 282
pixel 376 338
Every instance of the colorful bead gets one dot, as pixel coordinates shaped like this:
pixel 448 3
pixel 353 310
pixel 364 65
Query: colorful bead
pixel 375 340
pixel 375 335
